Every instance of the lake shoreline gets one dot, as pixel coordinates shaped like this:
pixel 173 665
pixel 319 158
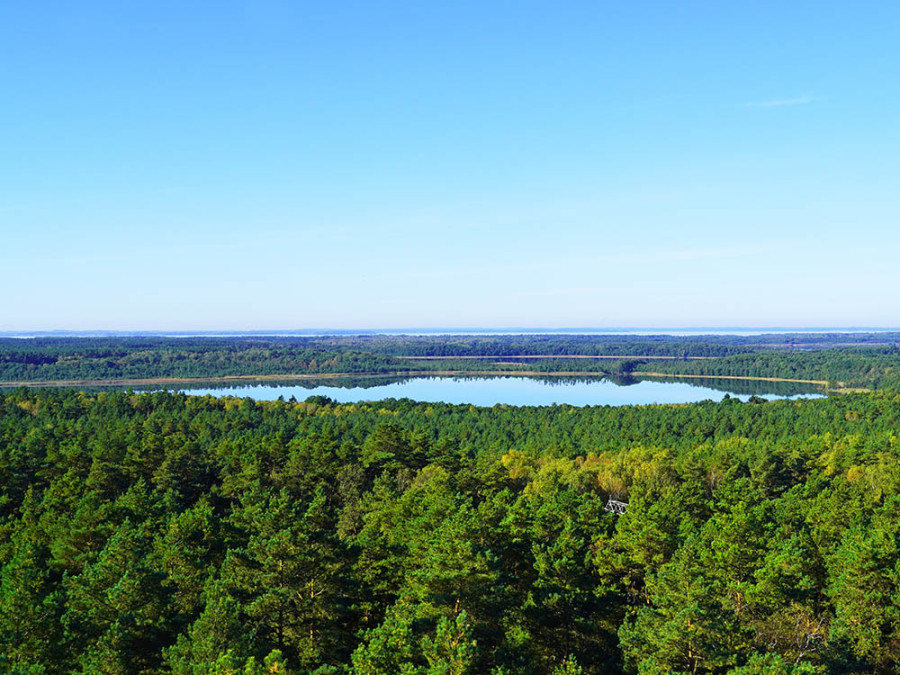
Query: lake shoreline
pixel 300 377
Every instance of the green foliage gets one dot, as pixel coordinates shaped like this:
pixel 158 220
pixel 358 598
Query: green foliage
pixel 875 368
pixel 154 533
pixel 870 360
pixel 44 359
pixel 775 664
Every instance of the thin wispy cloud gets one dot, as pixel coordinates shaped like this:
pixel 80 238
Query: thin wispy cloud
pixel 687 254
pixel 557 292
pixel 781 102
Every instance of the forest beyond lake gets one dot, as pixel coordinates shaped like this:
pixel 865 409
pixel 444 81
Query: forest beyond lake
pixel 837 361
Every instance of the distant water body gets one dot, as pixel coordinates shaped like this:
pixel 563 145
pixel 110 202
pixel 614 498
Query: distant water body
pixel 312 333
pixel 489 391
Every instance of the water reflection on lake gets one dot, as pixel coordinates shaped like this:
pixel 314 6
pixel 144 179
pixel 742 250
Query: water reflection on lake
pixel 488 391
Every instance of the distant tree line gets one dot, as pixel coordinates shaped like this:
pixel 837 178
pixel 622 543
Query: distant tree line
pixel 122 358
pixel 73 359
pixel 868 367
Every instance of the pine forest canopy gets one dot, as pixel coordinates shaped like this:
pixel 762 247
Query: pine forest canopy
pixel 161 532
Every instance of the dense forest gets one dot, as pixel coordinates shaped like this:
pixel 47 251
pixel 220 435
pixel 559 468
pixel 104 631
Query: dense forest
pixel 870 367
pixel 869 360
pixel 44 359
pixel 157 533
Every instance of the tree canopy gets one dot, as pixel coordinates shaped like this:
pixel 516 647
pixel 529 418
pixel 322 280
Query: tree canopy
pixel 162 533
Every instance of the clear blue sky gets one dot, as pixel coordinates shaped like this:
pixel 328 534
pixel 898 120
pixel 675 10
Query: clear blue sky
pixel 264 164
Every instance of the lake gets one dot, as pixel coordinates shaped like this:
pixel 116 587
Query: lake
pixel 489 391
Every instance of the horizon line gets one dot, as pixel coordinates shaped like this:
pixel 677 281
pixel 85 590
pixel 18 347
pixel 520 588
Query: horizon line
pixel 437 330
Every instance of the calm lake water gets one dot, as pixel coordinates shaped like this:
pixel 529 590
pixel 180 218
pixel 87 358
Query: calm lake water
pixel 489 391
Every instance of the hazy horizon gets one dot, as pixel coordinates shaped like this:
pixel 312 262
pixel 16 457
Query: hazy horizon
pixel 463 330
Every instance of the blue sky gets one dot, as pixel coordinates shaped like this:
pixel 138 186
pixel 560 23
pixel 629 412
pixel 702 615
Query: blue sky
pixel 264 164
